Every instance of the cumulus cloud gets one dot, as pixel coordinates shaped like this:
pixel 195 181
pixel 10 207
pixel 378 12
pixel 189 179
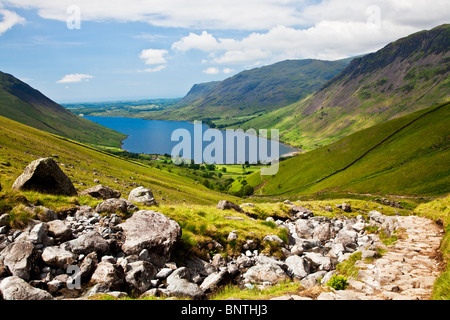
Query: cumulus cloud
pixel 154 56
pixel 76 77
pixel 10 19
pixel 211 70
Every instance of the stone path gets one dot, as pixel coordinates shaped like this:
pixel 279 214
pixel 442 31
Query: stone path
pixel 407 271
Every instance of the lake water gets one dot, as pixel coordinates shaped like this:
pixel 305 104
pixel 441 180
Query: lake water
pixel 155 137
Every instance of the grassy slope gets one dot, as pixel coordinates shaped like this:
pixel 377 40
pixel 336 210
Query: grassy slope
pixel 405 76
pixel 20 102
pixel 414 161
pixel 20 144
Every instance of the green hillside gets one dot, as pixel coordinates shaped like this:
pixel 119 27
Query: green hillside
pixel 405 76
pixel 253 93
pixel 22 103
pixel 20 144
pixel 404 156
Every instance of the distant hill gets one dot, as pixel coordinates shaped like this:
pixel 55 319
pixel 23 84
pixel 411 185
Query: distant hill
pixel 405 76
pixel 22 103
pixel 253 93
pixel 409 155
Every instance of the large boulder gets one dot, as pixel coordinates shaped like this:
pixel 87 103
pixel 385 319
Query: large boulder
pixel 227 205
pixel 19 257
pixel 142 195
pixel 110 275
pixel 101 192
pixel 15 288
pixel 45 176
pixel 87 243
pixel 262 273
pixel 152 231
pixel 116 205
pixel 58 257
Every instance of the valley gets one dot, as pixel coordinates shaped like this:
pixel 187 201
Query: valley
pixel 370 187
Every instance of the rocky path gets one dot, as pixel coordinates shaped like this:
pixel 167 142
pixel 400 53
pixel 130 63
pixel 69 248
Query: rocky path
pixel 407 271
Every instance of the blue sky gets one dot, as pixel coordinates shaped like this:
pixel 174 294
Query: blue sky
pixel 138 49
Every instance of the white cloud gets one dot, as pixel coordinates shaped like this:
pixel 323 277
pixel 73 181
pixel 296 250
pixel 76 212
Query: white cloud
pixel 227 70
pixel 76 77
pixel 211 70
pixel 198 14
pixel 155 69
pixel 154 56
pixel 10 19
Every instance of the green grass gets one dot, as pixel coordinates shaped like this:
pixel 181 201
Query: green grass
pixel 347 268
pixel 404 156
pixel 280 289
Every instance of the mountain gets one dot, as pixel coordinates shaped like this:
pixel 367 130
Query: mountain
pixel 404 156
pixel 405 76
pixel 22 103
pixel 255 92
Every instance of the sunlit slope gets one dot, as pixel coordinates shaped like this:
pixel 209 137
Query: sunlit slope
pixel 405 156
pixel 22 103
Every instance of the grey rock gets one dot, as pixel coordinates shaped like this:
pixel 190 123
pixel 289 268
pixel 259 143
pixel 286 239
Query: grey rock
pixel 298 267
pixel 214 280
pixel 164 273
pixel 101 192
pixel 111 275
pixel 19 257
pixel 319 262
pixel 274 238
pixel 199 267
pixel 138 278
pixel 218 261
pixel 232 236
pixel 324 232
pixel 15 288
pixel 87 243
pixel 116 205
pixel 178 285
pixel 58 257
pixel 59 230
pixel 45 176
pixel 152 231
pixel 142 195
pixel 312 279
pixel 227 205
pixel 301 212
pixel 88 266
pixel 346 207
pixel 347 238
pixel 304 228
pixel 262 273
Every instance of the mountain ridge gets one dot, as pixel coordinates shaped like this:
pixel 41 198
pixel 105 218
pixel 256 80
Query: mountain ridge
pixel 24 104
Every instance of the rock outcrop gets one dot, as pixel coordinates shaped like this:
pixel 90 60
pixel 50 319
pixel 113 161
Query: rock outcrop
pixel 45 176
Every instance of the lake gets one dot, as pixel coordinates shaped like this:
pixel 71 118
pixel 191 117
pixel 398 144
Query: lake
pixel 155 137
